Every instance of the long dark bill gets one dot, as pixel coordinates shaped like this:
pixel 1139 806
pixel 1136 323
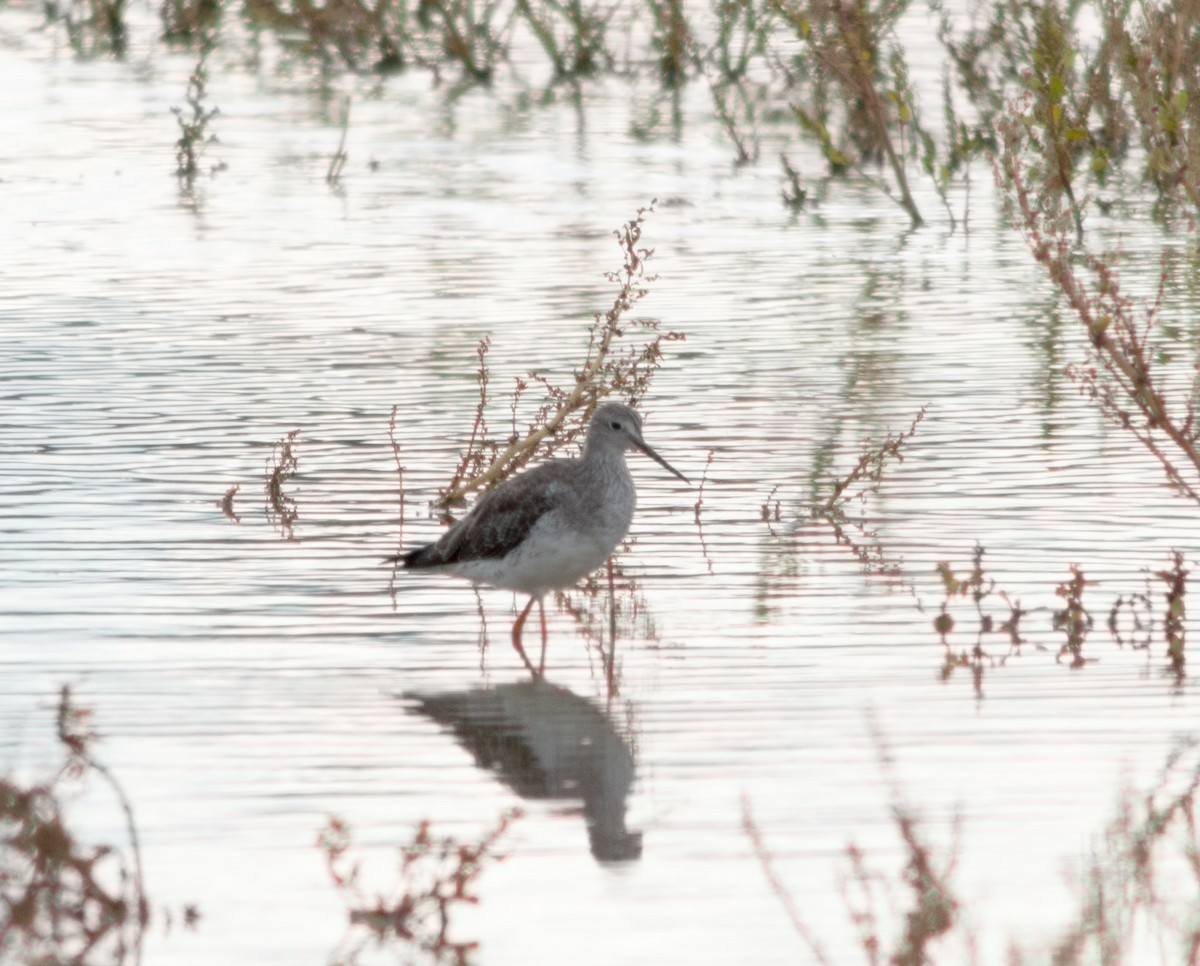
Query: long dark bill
pixel 645 448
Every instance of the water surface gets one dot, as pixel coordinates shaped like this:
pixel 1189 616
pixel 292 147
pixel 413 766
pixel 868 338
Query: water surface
pixel 158 342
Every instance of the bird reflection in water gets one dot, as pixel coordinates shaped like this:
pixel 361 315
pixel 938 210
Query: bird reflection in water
pixel 547 743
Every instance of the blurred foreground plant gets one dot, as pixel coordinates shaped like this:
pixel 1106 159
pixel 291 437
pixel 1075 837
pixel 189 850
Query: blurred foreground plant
pixel 63 901
pixel 909 928
pixel 435 878
pixel 1139 888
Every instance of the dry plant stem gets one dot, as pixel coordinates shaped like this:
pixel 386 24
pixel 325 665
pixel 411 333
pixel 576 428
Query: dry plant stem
pixel 1119 344
pixel 282 465
pixel 338 161
pixel 585 392
pixel 700 492
pixel 871 463
pixel 478 428
pixel 79 745
pixel 767 862
pixel 399 471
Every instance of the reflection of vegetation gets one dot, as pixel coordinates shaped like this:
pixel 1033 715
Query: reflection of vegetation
pixel 979 587
pixel 864 477
pixel 607 604
pixel 1139 889
pixel 1132 618
pixel 194 134
pixel 436 876
pixel 61 900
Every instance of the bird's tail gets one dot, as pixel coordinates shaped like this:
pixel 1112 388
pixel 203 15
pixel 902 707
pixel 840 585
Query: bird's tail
pixel 426 556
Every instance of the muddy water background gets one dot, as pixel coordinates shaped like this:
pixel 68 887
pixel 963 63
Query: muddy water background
pixel 157 342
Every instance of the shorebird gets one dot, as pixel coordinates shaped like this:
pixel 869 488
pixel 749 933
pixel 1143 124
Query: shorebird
pixel 546 528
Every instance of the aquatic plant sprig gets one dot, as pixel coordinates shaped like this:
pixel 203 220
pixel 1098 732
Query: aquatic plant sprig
pixel 1175 617
pixel 565 410
pixel 281 467
pixel 865 476
pixel 1120 374
pixel 1074 619
pixel 979 587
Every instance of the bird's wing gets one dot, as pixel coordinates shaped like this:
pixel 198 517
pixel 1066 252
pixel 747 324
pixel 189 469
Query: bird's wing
pixel 505 515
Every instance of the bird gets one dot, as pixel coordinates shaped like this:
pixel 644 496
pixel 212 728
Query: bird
pixel 551 525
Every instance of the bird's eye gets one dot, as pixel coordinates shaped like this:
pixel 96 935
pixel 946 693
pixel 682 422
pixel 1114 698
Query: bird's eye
pixel 615 425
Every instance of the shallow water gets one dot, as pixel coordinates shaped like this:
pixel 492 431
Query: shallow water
pixel 158 343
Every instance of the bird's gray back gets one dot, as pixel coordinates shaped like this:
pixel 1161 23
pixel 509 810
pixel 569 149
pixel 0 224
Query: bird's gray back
pixel 503 517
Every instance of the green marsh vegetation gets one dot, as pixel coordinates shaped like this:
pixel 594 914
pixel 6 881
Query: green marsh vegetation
pixel 1081 111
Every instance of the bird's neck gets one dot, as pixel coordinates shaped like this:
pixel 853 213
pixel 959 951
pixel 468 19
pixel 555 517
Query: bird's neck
pixel 604 458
